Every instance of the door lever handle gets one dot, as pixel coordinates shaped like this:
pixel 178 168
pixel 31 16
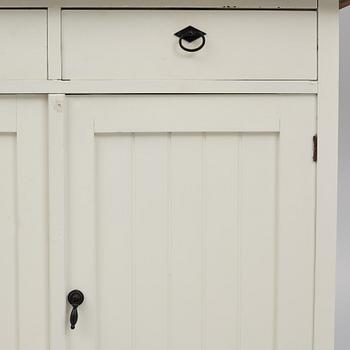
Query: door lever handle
pixel 75 298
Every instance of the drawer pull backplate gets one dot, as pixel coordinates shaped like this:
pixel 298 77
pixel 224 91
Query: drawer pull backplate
pixel 191 34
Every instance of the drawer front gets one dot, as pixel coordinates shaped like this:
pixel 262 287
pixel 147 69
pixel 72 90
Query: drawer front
pixel 140 44
pixel 23 49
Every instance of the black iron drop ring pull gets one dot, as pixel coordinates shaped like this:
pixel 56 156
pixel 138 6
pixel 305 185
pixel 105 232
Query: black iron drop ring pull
pixel 191 34
pixel 192 50
pixel 75 298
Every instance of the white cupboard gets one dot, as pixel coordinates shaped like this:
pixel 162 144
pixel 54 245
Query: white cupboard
pixel 168 175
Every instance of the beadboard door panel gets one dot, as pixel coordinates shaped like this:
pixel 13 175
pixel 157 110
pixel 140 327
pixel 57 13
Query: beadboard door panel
pixel 23 222
pixel 140 44
pixel 186 236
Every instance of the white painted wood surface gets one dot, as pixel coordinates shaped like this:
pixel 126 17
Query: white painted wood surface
pixel 54 61
pixel 23 50
pixel 204 202
pixel 157 87
pixel 57 219
pixel 223 4
pixel 253 45
pixel 24 227
pixel 178 226
pixel 326 215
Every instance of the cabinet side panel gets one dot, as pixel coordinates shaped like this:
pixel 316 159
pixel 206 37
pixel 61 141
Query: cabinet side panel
pixel 327 166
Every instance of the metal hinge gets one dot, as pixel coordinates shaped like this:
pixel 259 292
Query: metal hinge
pixel 314 155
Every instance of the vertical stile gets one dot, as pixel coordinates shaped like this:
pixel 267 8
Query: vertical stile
pixel 82 237
pixel 327 168
pixel 296 230
pixel 57 220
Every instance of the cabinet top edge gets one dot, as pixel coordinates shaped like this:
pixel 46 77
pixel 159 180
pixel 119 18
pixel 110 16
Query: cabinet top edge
pixel 223 4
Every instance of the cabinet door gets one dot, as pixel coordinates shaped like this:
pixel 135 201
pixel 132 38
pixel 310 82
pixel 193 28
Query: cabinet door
pixel 23 224
pixel 190 221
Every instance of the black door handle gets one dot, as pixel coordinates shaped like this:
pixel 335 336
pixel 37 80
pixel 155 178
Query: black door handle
pixel 190 34
pixel 75 298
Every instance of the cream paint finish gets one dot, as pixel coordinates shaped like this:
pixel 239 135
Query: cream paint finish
pixel 157 87
pixel 23 217
pixel 140 44
pixel 189 227
pixel 222 4
pixel 23 49
pixel 326 214
pixel 240 223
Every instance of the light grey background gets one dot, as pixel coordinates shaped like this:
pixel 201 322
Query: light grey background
pixel 343 260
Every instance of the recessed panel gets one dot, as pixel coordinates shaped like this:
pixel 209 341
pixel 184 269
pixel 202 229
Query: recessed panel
pixel 23 49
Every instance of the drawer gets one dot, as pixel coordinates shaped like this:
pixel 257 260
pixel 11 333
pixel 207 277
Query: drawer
pixel 140 44
pixel 23 49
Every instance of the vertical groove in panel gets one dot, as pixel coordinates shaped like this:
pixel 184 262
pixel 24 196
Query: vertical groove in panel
pixel 96 244
pixel 16 248
pixel 17 268
pixel 132 240
pixel 169 242
pixel 8 243
pixel 276 257
pixel 97 249
pixel 238 247
pixel 204 238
